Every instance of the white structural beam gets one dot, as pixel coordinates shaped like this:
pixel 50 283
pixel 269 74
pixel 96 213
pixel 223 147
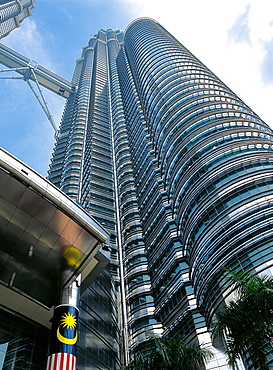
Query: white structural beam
pixel 35 76
pixel 45 78
pixel 29 74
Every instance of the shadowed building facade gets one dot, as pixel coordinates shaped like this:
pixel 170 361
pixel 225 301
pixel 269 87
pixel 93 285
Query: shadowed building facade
pixel 179 171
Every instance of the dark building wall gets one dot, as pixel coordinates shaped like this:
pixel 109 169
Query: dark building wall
pixel 99 340
pixel 23 344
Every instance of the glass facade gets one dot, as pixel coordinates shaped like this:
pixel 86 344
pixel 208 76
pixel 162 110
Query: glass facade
pixel 99 341
pixel 12 13
pixel 179 171
pixel 23 344
pixel 83 167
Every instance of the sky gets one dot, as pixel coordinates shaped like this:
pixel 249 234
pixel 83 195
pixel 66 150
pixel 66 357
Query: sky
pixel 234 39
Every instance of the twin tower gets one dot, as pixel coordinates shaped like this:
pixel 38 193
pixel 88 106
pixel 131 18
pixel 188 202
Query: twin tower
pixel 177 169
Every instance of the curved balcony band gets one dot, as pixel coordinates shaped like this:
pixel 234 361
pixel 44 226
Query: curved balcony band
pixel 215 159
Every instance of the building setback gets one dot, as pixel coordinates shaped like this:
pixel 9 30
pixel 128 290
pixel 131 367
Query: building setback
pixel 12 13
pixel 178 170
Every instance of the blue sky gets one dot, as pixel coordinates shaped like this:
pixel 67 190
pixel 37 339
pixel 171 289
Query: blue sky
pixel 234 39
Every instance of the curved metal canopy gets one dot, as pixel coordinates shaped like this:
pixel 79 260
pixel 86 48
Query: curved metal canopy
pixel 46 240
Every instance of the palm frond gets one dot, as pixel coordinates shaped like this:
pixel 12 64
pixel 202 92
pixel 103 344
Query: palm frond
pixel 247 322
pixel 170 354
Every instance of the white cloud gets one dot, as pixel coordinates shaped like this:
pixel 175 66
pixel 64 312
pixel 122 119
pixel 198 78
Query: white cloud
pixel 239 54
pixel 240 30
pixel 29 35
pixel 267 62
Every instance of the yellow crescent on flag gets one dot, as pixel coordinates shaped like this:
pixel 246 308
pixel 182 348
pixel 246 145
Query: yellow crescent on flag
pixel 66 340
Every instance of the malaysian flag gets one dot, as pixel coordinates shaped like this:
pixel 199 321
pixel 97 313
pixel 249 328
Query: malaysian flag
pixel 61 361
pixel 64 337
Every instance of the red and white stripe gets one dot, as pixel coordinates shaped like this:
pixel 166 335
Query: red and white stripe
pixel 61 361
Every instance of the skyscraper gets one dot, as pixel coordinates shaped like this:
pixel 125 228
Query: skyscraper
pixel 12 13
pixel 177 168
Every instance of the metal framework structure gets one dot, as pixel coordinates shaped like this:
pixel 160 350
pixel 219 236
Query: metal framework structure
pixel 31 71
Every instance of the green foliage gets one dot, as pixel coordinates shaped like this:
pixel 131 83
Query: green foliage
pixel 247 322
pixel 170 354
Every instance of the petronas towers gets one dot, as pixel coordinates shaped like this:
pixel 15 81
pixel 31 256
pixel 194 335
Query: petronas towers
pixel 179 172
